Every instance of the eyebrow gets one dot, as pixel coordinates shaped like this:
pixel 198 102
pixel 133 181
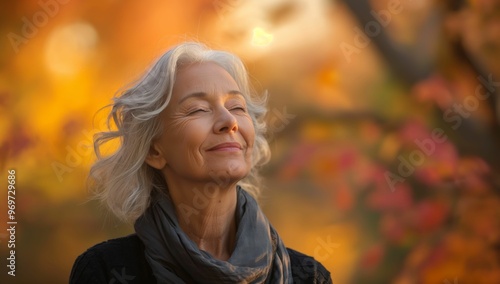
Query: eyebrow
pixel 203 95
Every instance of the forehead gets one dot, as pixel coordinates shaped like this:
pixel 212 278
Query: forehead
pixel 207 77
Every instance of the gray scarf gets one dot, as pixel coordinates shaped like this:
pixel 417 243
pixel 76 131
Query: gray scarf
pixel 258 257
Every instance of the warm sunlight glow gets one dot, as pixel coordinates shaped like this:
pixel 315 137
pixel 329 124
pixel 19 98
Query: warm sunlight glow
pixel 261 37
pixel 68 48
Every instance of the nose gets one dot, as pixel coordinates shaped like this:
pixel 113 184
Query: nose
pixel 225 122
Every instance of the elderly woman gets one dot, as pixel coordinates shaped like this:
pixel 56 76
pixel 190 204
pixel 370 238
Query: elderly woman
pixel 191 138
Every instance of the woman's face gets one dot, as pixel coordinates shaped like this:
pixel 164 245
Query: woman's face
pixel 208 134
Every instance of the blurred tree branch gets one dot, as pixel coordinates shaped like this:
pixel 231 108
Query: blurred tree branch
pixel 405 64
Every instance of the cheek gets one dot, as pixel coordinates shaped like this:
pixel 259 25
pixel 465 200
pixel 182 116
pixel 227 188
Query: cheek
pixel 185 138
pixel 248 132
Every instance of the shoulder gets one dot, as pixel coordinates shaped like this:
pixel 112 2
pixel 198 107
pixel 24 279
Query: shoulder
pixel 122 260
pixel 113 261
pixel 306 269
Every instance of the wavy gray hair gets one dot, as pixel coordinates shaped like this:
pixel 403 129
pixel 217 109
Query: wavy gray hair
pixel 122 180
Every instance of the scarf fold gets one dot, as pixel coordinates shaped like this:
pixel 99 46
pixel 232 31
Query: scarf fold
pixel 259 255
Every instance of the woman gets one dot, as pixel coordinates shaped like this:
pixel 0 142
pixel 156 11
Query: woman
pixel 191 138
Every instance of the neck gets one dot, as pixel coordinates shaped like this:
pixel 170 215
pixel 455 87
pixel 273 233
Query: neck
pixel 207 215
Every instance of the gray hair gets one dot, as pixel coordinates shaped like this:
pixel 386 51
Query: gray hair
pixel 122 180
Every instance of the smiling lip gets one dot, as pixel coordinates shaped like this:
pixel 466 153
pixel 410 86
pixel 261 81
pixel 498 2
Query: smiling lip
pixel 233 146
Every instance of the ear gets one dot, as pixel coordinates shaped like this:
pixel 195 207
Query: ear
pixel 155 157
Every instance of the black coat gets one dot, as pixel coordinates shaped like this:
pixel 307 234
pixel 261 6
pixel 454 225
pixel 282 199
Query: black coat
pixel 122 261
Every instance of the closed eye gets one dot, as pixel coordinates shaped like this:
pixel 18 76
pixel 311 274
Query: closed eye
pixel 200 110
pixel 239 108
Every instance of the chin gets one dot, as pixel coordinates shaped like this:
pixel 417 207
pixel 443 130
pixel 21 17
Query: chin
pixel 231 173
